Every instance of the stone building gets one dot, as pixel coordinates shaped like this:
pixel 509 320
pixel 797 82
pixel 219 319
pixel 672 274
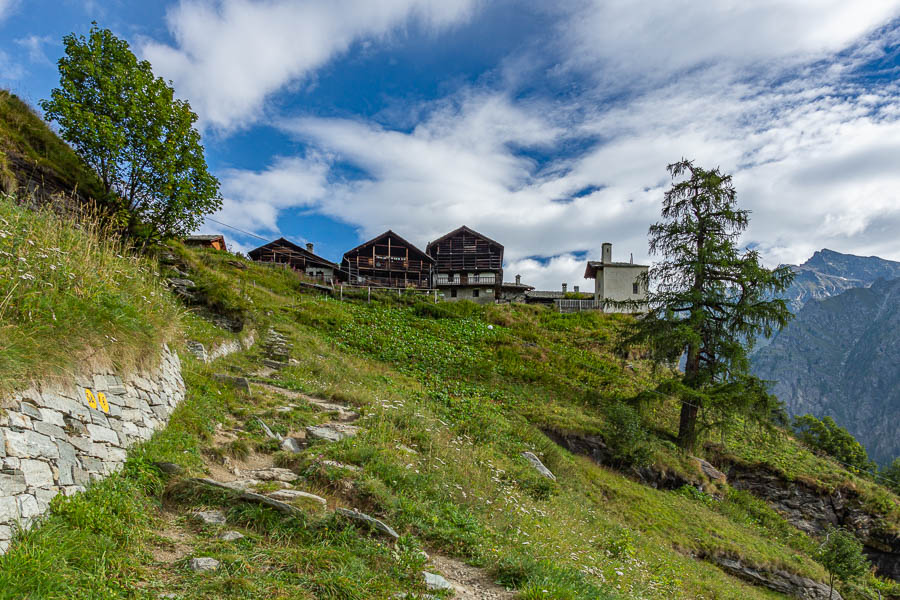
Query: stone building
pixel 300 259
pixel 515 293
pixel 467 266
pixel 617 282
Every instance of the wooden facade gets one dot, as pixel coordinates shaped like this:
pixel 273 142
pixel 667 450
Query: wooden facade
pixel 388 261
pixel 283 251
pixel 467 265
pixel 215 241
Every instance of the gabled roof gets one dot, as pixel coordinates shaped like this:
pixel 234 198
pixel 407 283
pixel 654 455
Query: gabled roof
pixel 459 230
pixel 294 249
pixel 205 237
pixel 590 272
pixel 387 233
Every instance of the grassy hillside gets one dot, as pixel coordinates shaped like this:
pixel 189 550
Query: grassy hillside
pixel 70 293
pixel 31 151
pixel 449 398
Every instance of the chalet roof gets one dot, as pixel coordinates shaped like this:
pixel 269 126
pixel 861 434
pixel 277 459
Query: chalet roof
pixel 590 272
pixel 545 294
pixel 466 229
pixel 294 249
pixel 205 238
pixel 387 233
pixel 516 286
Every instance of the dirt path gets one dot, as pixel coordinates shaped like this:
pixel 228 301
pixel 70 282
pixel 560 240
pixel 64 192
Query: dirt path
pixel 470 583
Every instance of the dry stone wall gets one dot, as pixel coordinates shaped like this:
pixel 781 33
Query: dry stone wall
pixel 56 440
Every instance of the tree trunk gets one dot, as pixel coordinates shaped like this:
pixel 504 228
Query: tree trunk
pixel 687 426
pixel 830 586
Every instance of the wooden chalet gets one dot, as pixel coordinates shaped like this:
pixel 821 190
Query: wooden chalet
pixel 467 265
pixel 300 259
pixel 388 261
pixel 215 241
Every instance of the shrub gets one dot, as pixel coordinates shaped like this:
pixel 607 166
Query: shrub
pixel 626 437
pixel 832 439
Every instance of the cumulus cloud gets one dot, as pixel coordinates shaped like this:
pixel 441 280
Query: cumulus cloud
pixel 631 42
pixel 230 55
pixel 255 198
pixel 768 95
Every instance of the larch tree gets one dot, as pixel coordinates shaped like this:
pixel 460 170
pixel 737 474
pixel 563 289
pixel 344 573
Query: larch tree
pixel 129 127
pixel 709 298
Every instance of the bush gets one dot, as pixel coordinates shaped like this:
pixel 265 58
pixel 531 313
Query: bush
pixel 626 437
pixel 832 439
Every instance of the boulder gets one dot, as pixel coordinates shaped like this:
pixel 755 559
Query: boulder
pixel 371 521
pixel 538 465
pixel 209 517
pixel 231 536
pixel 331 432
pixel 203 564
pixel 436 583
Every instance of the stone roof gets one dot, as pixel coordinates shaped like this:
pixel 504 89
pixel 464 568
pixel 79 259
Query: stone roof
pixel 593 266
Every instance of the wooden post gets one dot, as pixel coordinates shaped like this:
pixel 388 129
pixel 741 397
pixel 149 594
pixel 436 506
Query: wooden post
pixel 435 296
pixel 342 292
pixel 370 293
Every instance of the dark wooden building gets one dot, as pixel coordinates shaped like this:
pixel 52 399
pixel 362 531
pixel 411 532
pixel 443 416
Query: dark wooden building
pixel 215 241
pixel 300 259
pixel 467 265
pixel 388 261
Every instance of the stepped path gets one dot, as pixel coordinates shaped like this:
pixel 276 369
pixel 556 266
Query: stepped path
pixel 235 465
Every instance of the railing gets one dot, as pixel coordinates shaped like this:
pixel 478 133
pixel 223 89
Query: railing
pixel 388 264
pixel 571 305
pixel 477 280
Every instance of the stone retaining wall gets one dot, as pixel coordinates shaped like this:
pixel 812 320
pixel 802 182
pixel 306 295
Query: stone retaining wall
pixel 57 439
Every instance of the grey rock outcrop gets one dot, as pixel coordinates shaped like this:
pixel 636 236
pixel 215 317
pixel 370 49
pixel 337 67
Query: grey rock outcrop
pixel 538 465
pixel 378 525
pixel 813 510
pixel 780 581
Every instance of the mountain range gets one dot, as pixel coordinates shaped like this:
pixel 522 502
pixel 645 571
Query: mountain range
pixel 840 355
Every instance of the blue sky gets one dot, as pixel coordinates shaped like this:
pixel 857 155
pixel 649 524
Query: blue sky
pixel 547 126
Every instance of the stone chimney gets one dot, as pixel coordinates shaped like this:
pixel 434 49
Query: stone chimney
pixel 607 253
pixel 309 247
pixel 518 280
pixel 564 288
pixel 575 289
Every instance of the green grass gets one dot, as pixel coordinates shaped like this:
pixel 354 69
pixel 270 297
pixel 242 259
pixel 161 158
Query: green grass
pixel 26 136
pixel 468 389
pixel 70 293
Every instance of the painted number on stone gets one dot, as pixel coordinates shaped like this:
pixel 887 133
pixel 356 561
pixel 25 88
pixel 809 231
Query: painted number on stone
pixel 94 401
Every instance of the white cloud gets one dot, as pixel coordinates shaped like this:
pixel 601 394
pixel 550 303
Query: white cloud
pixel 34 45
pixel 629 42
pixel 7 7
pixel 255 198
pixel 9 68
pixel 811 149
pixel 230 55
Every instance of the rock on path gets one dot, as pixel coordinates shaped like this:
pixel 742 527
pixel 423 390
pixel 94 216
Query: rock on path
pixel 331 432
pixel 469 583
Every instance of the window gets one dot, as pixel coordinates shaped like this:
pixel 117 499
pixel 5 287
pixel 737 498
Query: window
pixel 475 293
pixel 453 292
pixel 634 287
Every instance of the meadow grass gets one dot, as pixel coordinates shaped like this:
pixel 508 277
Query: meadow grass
pixel 450 396
pixel 71 293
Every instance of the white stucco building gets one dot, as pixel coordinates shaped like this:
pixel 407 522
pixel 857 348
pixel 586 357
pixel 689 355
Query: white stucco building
pixel 617 281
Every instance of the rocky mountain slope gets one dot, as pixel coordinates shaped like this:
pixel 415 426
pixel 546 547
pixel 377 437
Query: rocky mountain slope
pixel 829 273
pixel 840 357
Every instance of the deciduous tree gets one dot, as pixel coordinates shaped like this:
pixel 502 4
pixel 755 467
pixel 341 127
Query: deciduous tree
pixel 842 556
pixel 128 125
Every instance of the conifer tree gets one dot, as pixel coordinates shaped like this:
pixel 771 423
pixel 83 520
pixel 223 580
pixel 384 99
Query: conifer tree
pixel 709 298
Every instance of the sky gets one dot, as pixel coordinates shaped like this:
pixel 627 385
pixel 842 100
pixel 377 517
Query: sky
pixel 547 126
